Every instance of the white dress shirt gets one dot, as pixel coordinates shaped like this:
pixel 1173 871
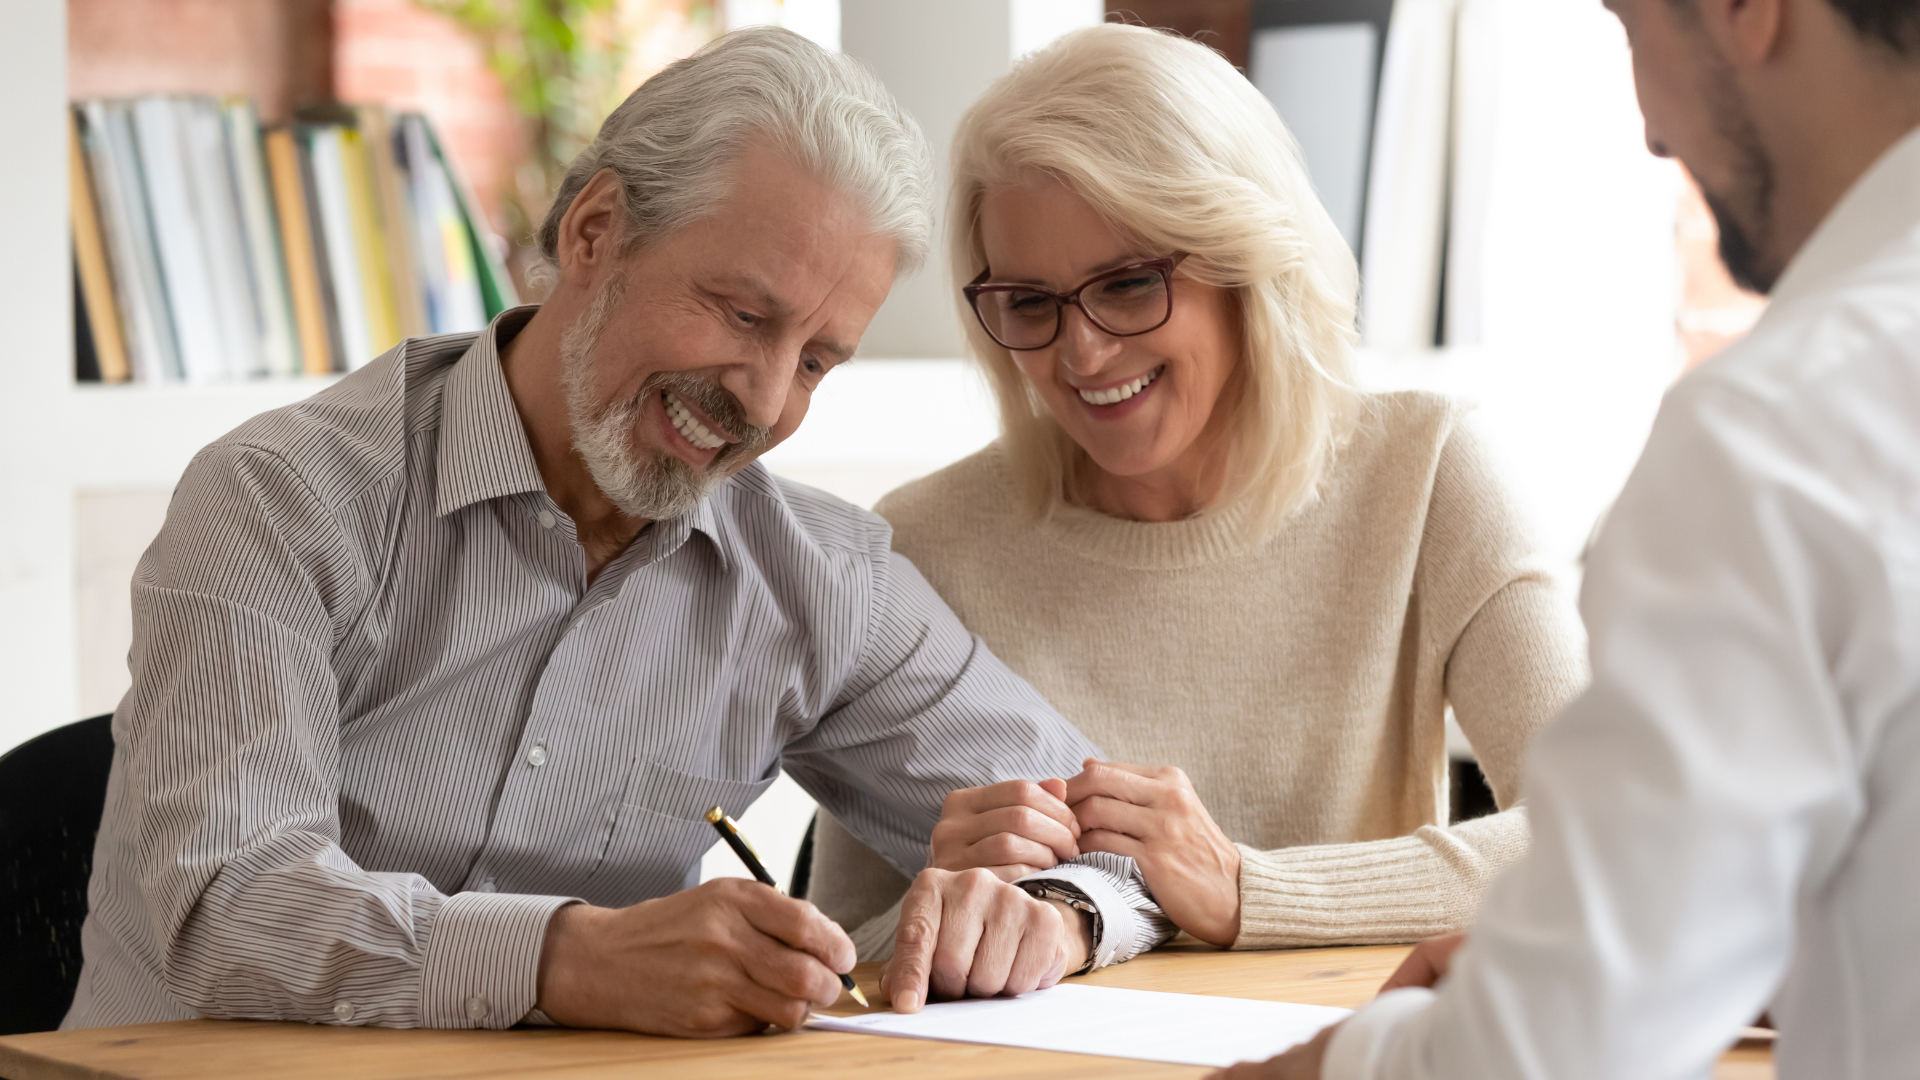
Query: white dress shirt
pixel 1729 820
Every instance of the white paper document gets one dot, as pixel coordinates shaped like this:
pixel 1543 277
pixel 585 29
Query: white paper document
pixel 1188 1029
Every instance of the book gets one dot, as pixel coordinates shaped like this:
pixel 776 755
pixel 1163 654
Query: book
pixel 296 245
pixel 385 155
pixel 138 285
pixel 215 200
pixel 266 263
pixel 183 258
pixel 209 248
pixel 496 288
pixel 86 358
pixel 327 171
pixel 95 280
pixel 369 241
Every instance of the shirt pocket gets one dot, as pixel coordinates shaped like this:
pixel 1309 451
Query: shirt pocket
pixel 661 831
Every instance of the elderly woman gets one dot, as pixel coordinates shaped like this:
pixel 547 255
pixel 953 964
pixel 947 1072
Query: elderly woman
pixel 1257 588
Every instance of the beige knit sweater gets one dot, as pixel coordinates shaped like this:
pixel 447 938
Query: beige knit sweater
pixel 1301 681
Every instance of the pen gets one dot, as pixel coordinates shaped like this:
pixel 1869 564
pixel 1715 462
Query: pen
pixel 730 832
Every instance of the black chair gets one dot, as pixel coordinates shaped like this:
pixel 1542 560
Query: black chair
pixel 52 791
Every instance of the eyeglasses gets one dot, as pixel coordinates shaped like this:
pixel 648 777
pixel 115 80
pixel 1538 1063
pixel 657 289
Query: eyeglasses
pixel 1134 299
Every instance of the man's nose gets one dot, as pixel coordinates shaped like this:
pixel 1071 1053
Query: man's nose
pixel 1083 347
pixel 761 388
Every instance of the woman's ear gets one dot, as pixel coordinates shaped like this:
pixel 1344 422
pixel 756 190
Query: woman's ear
pixel 590 229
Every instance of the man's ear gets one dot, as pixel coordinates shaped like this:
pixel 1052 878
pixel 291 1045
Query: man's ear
pixel 1747 32
pixel 590 229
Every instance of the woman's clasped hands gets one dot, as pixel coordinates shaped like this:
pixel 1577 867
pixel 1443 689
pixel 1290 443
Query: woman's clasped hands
pixel 1147 813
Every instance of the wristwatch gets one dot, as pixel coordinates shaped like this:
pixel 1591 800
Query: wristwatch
pixel 1075 899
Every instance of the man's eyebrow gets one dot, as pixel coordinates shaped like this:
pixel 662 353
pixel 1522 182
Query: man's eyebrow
pixel 840 353
pixel 756 291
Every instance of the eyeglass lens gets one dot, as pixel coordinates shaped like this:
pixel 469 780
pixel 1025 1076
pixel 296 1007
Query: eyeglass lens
pixel 1129 303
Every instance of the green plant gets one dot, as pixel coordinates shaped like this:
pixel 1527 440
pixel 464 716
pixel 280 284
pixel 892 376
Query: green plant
pixel 565 64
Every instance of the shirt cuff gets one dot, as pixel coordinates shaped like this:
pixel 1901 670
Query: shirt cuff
pixel 1122 929
pixel 482 968
pixel 1359 1047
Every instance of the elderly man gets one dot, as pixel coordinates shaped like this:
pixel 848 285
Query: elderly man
pixel 1727 822
pixel 482 631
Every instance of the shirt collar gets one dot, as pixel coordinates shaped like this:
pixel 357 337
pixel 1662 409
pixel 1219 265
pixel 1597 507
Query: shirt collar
pixel 484 453
pixel 483 446
pixel 1882 208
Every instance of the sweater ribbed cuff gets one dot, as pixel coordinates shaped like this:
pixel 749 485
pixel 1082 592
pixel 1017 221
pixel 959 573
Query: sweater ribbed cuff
pixel 1379 892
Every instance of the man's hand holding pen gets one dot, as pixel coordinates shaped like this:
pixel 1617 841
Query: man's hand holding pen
pixel 726 958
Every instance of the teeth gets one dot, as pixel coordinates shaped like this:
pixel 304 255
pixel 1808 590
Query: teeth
pixel 689 428
pixel 1114 395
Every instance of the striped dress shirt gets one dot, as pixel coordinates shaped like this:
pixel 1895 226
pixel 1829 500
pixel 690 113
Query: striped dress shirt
pixel 382 725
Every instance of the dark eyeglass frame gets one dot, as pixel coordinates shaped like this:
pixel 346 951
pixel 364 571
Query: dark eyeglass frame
pixel 1163 266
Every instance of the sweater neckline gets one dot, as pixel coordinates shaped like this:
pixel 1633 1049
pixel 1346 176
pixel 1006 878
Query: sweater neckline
pixel 1207 537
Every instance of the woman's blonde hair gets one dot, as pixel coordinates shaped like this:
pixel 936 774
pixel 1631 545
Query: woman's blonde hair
pixel 1179 151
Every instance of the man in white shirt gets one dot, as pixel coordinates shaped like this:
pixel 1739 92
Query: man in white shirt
pixel 1727 822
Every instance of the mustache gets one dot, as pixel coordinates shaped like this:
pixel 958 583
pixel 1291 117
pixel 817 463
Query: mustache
pixel 722 407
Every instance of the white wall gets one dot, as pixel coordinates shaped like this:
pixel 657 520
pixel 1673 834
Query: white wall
pixel 938 56
pixel 36 511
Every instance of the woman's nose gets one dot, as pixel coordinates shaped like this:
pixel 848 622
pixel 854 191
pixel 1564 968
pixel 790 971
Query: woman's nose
pixel 1083 347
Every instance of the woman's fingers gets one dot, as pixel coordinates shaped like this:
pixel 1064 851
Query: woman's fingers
pixel 1114 842
pixel 1027 793
pixel 1004 834
pixel 1101 813
pixel 1130 783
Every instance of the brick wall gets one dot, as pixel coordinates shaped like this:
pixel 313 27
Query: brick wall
pixel 278 51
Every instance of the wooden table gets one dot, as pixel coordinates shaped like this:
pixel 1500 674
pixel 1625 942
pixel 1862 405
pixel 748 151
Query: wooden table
pixel 222 1049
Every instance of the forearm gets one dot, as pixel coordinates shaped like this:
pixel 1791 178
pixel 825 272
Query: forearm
pixel 1397 890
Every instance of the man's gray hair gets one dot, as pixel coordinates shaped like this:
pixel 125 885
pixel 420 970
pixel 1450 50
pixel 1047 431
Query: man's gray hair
pixel 673 138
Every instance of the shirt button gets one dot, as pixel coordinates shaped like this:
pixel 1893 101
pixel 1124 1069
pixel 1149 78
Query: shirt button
pixel 547 520
pixel 537 756
pixel 487 886
pixel 477 1009
pixel 343 1011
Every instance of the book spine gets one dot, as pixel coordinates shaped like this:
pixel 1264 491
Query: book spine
pixel 369 243
pixel 382 146
pixel 336 232
pixel 266 264
pixel 297 241
pixel 218 212
pixel 461 305
pixel 182 254
pixel 90 264
pixel 152 314
pixel 496 287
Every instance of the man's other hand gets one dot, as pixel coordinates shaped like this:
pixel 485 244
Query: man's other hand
pixel 1300 1063
pixel 1012 828
pixel 1427 964
pixel 726 958
pixel 969 934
